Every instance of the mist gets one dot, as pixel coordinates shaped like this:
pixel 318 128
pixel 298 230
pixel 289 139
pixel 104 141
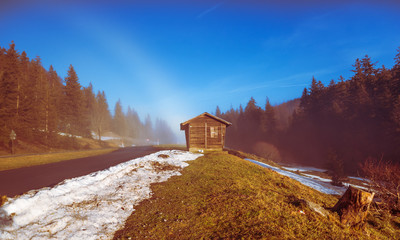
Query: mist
pixel 339 125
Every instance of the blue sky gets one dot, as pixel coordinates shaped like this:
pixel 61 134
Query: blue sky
pixel 177 59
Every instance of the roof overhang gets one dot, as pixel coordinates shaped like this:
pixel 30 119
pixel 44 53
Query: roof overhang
pixel 208 115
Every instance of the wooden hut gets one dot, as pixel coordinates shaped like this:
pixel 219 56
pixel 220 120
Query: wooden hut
pixel 205 132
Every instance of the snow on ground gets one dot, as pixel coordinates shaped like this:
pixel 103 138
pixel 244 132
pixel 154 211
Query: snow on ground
pixel 317 177
pixel 312 182
pixel 357 186
pixel 92 206
pixel 361 179
pixel 304 169
pixel 108 138
pixel 318 183
pixel 68 135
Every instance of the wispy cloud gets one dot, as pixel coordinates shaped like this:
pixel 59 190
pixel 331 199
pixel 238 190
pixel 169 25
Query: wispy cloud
pixel 209 10
pixel 285 82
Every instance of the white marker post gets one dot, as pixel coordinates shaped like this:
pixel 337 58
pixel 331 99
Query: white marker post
pixel 13 136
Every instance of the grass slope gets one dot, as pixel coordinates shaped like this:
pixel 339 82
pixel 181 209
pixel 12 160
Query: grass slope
pixel 12 162
pixel 222 196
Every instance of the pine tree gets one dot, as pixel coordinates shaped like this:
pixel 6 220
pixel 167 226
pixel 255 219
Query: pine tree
pixel 148 128
pixel 396 72
pixel 100 118
pixel 38 78
pixel 315 100
pixel 134 126
pixel 88 106
pixel 316 87
pixel 336 167
pixel 251 123
pixel 396 114
pixel 339 98
pixel 367 67
pixel 384 95
pixel 251 105
pixel 26 106
pixel 241 109
pixel 119 121
pixel 269 119
pixel 10 78
pixel 218 112
pixel 54 101
pixel 163 133
pixel 397 58
pixel 357 67
pixel 304 100
pixel 72 105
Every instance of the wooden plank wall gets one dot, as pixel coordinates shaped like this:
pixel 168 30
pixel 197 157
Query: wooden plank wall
pixel 200 127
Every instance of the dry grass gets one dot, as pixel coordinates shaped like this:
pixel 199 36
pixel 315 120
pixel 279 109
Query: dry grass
pixel 162 167
pixel 171 147
pixel 220 196
pixel 7 163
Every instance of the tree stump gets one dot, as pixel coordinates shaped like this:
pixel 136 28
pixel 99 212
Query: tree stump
pixel 353 206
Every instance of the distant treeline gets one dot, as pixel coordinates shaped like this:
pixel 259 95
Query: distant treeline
pixel 38 105
pixel 341 124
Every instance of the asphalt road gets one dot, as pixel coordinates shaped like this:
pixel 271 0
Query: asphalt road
pixel 17 181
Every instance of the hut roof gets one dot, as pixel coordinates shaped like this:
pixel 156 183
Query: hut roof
pixel 208 115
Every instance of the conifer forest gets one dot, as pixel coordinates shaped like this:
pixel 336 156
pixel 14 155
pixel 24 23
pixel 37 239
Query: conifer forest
pixel 340 125
pixel 38 105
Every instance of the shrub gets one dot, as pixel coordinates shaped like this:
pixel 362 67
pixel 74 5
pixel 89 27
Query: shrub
pixel 385 179
pixel 336 168
pixel 268 151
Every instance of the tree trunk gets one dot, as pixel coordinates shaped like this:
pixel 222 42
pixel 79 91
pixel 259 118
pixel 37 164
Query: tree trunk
pixel 99 133
pixel 353 206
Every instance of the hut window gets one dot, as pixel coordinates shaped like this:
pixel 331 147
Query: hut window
pixel 214 132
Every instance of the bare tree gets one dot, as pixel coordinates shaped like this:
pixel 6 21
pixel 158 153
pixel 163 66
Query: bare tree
pixel 385 179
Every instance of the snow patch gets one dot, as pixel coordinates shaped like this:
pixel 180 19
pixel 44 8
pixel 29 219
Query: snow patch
pixel 304 169
pixel 356 186
pixel 318 178
pixel 92 206
pixel 312 182
pixel 360 179
pixel 69 135
pixel 108 138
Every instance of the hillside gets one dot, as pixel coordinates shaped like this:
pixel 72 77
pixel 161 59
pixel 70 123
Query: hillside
pixel 222 196
pixel 340 125
pixel 22 147
pixel 42 108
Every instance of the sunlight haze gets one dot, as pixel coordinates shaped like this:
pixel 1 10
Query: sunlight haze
pixel 176 60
